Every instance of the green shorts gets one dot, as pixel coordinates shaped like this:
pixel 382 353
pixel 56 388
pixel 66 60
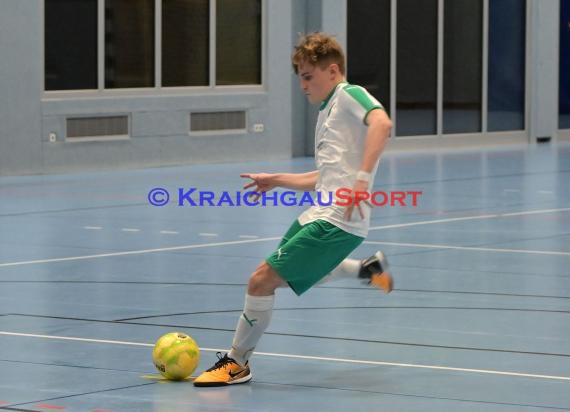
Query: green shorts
pixel 308 253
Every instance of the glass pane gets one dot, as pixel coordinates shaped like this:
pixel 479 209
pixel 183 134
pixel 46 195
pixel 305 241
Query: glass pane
pixel 129 43
pixel 507 20
pixel 369 24
pixel 564 94
pixel 185 42
pixel 70 44
pixel 238 42
pixel 416 88
pixel 462 66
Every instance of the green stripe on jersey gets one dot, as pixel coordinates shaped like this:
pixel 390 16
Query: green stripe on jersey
pixel 361 97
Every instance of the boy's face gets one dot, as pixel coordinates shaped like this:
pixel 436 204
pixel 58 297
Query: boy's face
pixel 317 83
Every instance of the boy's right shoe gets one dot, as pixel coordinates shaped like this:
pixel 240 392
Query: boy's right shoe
pixel 226 371
pixel 375 271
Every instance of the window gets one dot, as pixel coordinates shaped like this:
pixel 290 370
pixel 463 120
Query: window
pixel 506 85
pixel 238 44
pixel 129 43
pixel 416 88
pixel 185 43
pixel 369 47
pixel 449 75
pixel 462 66
pixel 70 44
pixel 151 43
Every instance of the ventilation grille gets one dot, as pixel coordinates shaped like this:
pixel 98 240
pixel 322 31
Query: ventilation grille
pixel 213 121
pixel 97 126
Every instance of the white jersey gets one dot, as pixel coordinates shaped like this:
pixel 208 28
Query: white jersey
pixel 339 147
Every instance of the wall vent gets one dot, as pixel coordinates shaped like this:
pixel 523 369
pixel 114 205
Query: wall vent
pixel 214 121
pixel 88 127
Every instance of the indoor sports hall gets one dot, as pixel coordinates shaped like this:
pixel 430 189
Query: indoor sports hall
pixel 123 216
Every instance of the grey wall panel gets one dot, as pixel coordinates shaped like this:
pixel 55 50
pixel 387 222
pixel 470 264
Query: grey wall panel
pixel 334 20
pixel 544 39
pixel 125 154
pixel 299 106
pixel 158 124
pixel 314 13
pixel 20 86
pixel 278 131
pixel 159 131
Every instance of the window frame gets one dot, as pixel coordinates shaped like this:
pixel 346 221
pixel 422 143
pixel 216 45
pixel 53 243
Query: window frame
pixel 212 88
pixel 484 86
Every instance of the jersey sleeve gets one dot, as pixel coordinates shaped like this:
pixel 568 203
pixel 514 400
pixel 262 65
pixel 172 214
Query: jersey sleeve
pixel 359 102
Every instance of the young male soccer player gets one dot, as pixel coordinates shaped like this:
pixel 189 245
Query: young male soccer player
pixel 351 133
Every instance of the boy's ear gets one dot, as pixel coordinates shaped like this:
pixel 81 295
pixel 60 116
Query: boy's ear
pixel 333 68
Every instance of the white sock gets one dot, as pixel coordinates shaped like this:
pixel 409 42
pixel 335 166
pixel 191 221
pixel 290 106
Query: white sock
pixel 252 323
pixel 348 268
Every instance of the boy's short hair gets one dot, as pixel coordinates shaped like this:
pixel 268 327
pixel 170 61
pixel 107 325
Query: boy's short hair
pixel 318 49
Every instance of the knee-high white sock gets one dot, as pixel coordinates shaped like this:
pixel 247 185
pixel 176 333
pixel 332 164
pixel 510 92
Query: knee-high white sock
pixel 348 268
pixel 252 323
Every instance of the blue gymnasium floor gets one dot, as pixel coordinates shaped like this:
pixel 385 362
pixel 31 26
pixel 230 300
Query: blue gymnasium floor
pixel 91 275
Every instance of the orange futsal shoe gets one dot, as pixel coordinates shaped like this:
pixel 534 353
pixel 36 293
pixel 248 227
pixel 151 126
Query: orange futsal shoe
pixel 226 371
pixel 375 271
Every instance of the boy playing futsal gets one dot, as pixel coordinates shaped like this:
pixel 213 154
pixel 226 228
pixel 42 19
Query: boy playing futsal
pixel 351 133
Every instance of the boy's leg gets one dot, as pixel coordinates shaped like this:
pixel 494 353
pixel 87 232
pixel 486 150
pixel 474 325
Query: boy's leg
pixel 306 254
pixel 374 270
pixel 348 269
pixel 255 318
pixel 233 367
pixel 257 312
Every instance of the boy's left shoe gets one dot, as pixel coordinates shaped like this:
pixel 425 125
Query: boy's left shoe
pixel 226 371
pixel 375 270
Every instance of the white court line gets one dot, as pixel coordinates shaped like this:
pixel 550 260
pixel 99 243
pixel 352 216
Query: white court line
pixel 137 252
pixel 534 212
pixel 433 222
pixel 477 217
pixel 481 249
pixel 169 232
pixel 317 358
pixel 186 247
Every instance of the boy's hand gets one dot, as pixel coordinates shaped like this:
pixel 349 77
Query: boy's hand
pixel 360 197
pixel 261 182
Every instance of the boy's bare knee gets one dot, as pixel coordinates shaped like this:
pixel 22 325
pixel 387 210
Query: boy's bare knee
pixel 263 281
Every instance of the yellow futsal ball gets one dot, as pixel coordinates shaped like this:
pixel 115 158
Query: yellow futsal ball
pixel 176 355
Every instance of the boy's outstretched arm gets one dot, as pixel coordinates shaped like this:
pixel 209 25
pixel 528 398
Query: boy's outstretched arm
pixel 264 182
